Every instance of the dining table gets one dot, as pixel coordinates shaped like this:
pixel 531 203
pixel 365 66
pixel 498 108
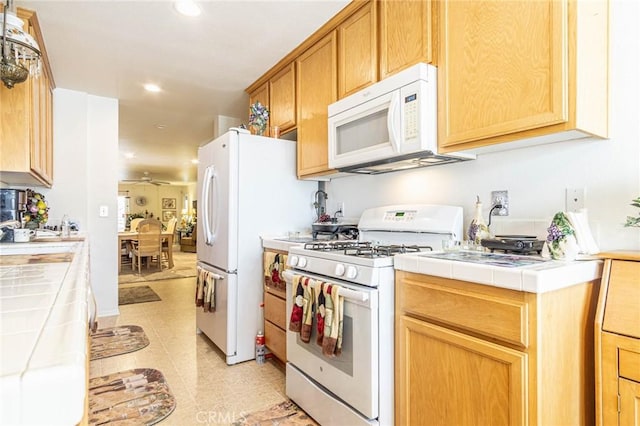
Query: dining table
pixel 133 236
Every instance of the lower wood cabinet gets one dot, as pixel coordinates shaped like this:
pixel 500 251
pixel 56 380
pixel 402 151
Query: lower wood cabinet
pixel 617 341
pixel 491 379
pixel 275 310
pixel 472 354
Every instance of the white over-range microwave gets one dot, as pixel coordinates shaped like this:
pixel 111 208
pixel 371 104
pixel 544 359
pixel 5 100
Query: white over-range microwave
pixel 390 125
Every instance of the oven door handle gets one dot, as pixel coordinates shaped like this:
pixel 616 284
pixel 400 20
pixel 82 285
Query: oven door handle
pixel 359 296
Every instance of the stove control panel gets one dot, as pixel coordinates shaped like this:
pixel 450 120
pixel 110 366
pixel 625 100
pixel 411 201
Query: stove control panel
pixel 400 215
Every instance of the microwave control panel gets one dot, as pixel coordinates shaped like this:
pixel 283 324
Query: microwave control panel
pixel 411 116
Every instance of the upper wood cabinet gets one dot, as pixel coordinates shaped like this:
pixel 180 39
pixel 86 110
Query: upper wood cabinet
pixel 406 34
pixel 510 71
pixel 363 43
pixel 316 89
pixel 26 127
pixel 282 97
pixel 358 51
pixel 260 94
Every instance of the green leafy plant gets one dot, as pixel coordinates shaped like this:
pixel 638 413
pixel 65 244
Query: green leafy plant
pixel 634 221
pixel 258 117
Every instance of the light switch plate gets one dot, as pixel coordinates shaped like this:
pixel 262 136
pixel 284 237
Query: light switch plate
pixel 104 211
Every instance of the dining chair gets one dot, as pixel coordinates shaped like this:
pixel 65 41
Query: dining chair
pixel 167 248
pixel 148 244
pixel 133 224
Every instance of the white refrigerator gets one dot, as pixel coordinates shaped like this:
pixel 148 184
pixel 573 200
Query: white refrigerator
pixel 247 187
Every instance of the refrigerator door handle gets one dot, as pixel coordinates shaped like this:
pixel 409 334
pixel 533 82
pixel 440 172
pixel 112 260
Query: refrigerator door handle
pixel 209 233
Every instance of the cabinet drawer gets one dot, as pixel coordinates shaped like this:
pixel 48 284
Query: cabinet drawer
pixel 629 364
pixel 275 310
pixel 276 340
pixel 491 314
pixel 622 312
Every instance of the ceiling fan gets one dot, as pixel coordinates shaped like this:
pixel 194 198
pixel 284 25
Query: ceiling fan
pixel 146 179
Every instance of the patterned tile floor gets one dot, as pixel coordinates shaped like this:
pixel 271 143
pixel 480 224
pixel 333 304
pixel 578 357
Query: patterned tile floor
pixel 208 392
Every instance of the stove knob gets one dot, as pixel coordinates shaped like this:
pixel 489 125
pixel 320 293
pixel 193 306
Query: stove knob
pixel 293 260
pixel 519 245
pixel 352 271
pixel 339 269
pixel 302 262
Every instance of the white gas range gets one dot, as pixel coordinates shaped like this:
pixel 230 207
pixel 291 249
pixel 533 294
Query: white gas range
pixel 356 386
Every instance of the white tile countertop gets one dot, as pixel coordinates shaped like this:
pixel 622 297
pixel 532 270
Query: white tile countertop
pixel 524 273
pixel 43 332
pixel 283 242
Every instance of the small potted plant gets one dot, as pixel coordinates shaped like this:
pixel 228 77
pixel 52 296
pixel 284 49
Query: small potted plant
pixel 634 221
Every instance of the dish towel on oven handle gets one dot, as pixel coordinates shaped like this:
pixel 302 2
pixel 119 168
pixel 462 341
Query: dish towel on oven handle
pixel 333 320
pixel 308 303
pixel 295 322
pixel 320 311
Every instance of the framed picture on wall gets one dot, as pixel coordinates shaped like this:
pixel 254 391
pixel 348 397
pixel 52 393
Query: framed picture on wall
pixel 168 203
pixel 167 215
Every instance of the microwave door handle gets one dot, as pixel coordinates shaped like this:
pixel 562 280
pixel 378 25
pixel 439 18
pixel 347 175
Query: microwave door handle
pixel 393 121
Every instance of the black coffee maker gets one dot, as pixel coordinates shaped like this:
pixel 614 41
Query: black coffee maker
pixel 12 207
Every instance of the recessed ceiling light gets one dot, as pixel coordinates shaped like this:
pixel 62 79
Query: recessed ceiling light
pixel 150 87
pixel 161 126
pixel 194 161
pixel 187 7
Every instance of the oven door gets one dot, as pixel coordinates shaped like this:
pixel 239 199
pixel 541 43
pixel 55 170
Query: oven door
pixel 351 376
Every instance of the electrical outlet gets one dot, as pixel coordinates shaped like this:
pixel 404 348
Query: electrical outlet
pixel 574 200
pixel 500 197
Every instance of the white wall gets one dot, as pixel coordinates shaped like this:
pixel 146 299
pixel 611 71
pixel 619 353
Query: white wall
pixel 154 196
pixel 537 177
pixel 85 177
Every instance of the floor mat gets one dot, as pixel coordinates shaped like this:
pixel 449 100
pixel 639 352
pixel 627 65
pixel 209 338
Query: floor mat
pixel 140 294
pixel 107 342
pixel 284 414
pixel 134 397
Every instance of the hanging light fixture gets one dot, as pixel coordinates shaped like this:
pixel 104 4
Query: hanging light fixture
pixel 20 51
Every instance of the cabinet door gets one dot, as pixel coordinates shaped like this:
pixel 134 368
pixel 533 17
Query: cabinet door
pixel 447 378
pixel 15 110
pixel 282 97
pixel 406 34
pixel 622 313
pixel 41 127
pixel 316 88
pixel 502 68
pixel 357 51
pixel 261 95
pixel 629 403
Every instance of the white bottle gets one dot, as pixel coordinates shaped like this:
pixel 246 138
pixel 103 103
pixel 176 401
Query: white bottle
pixel 478 230
pixel 65 227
